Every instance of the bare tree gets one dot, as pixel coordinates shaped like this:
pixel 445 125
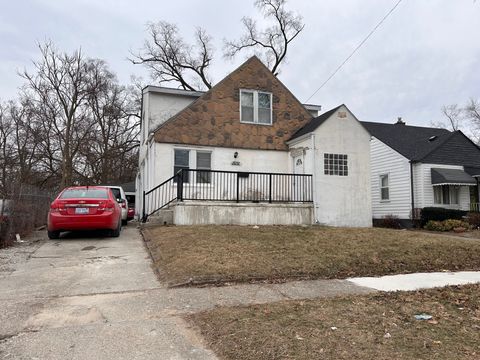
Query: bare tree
pixel 59 90
pixel 6 148
pixel 170 59
pixel 26 140
pixel 114 141
pixel 274 40
pixel 454 116
pixel 472 113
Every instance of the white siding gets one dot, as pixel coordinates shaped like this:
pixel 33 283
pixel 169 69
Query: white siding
pixel 423 184
pixel 343 200
pixel 222 158
pixel 385 160
pixel 163 106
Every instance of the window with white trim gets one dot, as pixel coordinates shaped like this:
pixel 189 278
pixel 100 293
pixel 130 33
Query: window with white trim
pixel 204 162
pixel 446 194
pixel 193 159
pixel 255 107
pixel 335 164
pixel 384 188
pixel 181 161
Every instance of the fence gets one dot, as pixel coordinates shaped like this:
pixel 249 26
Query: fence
pixel 233 186
pixel 22 209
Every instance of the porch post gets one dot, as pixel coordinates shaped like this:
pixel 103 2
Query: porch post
pixel 144 217
pixel 270 188
pixel 238 188
pixel 180 185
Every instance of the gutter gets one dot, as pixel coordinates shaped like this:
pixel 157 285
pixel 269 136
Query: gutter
pixel 412 192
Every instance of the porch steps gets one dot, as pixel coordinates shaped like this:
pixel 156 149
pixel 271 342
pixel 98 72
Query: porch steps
pixel 161 217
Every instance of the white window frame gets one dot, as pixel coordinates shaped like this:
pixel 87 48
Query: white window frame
pixel 192 164
pixel 255 106
pixel 197 168
pixel 451 196
pixel 384 187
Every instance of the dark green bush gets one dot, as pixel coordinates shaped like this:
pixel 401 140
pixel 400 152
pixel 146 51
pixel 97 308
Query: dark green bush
pixel 441 214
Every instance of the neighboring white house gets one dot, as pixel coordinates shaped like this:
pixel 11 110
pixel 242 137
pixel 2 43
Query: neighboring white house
pixel 248 152
pixel 415 167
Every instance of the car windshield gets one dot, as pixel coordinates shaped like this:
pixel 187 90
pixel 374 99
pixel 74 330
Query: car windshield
pixel 85 193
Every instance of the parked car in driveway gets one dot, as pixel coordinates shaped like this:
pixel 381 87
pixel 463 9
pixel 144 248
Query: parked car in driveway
pixel 122 200
pixel 84 208
pixel 131 213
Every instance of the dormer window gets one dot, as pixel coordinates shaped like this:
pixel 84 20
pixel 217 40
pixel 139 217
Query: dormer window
pixel 255 107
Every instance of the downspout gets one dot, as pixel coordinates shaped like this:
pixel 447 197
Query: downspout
pixel 314 177
pixel 477 206
pixel 412 190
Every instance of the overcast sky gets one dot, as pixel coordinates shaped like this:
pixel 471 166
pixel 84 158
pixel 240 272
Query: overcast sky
pixel 425 55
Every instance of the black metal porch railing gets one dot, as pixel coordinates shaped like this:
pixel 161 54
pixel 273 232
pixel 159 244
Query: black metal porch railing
pixel 233 186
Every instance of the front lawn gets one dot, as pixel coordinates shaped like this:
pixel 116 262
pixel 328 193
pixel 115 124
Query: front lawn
pixel 379 326
pixel 194 255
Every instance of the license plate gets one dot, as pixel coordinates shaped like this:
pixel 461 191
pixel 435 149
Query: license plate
pixel 81 210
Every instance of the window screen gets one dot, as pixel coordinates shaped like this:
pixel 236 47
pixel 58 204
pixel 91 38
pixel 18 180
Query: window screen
pixel 247 106
pixel 384 187
pixel 264 108
pixel 204 162
pixel 182 161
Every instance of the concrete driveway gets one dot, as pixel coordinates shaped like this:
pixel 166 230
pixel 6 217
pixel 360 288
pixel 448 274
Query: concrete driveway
pixel 90 297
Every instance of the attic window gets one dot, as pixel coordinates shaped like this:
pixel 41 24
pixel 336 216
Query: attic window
pixel 255 107
pixel 433 138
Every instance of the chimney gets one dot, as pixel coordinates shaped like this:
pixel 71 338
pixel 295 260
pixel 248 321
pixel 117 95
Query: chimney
pixel 400 121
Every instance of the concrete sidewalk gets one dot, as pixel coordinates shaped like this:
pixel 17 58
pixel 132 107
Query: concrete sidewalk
pixel 417 281
pixel 84 298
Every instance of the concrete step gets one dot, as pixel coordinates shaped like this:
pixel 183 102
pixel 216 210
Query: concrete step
pixel 161 217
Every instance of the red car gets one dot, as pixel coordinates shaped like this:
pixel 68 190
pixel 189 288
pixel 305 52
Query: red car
pixel 84 208
pixel 130 214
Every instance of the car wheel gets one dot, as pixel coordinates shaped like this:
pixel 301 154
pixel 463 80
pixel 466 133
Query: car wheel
pixel 53 234
pixel 124 222
pixel 116 232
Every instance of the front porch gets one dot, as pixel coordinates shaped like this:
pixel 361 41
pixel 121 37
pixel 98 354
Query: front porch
pixel 200 196
pixel 455 189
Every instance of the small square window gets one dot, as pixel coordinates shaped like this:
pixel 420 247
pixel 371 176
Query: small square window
pixel 335 164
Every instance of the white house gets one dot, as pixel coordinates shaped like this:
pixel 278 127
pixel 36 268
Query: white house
pixel 248 152
pixel 415 167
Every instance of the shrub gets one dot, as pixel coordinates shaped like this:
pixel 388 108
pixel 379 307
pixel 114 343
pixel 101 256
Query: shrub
pixel 474 220
pixel 433 225
pixel 447 225
pixel 441 214
pixel 390 222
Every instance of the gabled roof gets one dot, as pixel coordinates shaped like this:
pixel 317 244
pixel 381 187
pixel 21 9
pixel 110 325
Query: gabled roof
pixel 213 119
pixel 314 123
pixel 413 142
pixel 427 144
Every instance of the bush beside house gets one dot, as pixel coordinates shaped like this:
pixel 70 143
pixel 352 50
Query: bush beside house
pixel 441 214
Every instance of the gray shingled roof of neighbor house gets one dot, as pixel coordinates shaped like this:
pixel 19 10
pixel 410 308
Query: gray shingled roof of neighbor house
pixel 426 144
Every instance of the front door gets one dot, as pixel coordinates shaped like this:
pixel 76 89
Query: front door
pixel 299 185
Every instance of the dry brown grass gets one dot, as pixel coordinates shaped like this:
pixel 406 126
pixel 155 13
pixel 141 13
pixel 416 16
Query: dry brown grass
pixel 303 330
pixel 218 254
